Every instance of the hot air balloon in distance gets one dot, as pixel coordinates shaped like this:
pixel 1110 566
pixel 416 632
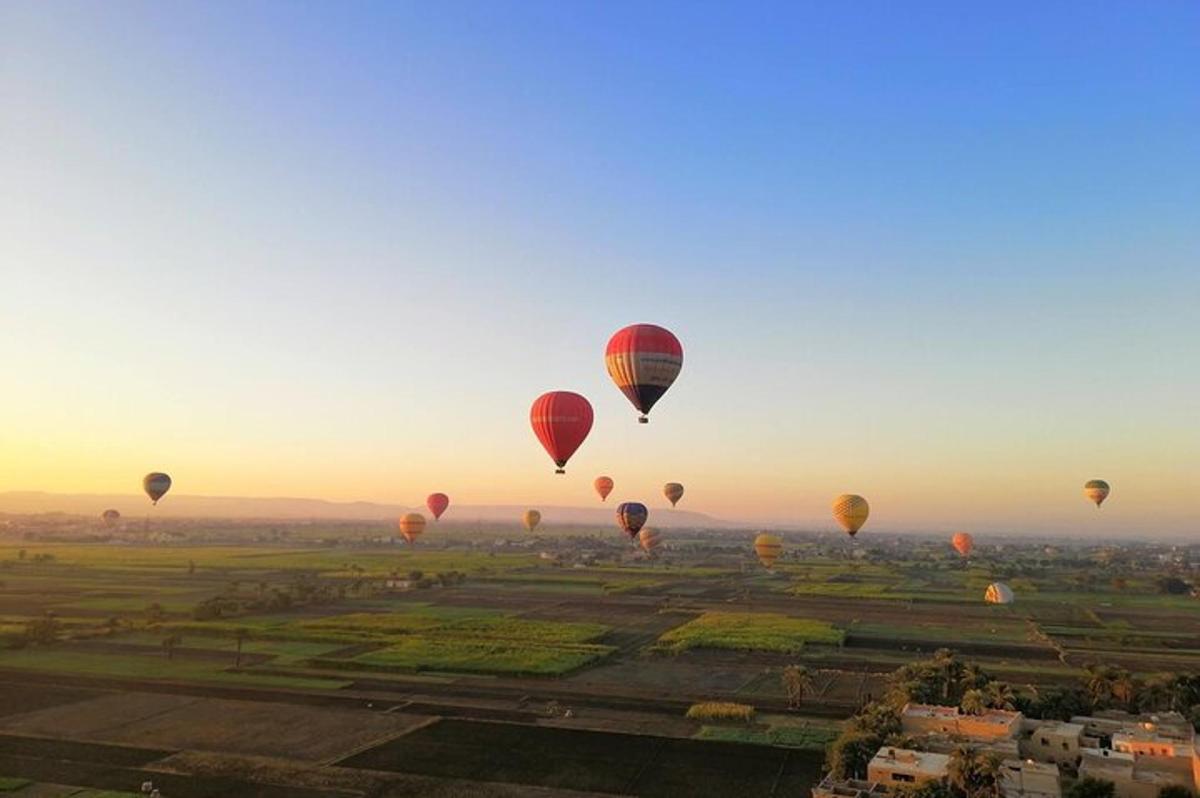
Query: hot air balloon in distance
pixel 650 539
pixel 437 504
pixel 851 512
pixel 674 492
pixel 156 484
pixel 531 519
pixel 604 486
pixel 643 360
pixel 561 420
pixel 963 543
pixel 998 593
pixel 411 526
pixel 768 547
pixel 631 517
pixel 1096 490
pixel 110 517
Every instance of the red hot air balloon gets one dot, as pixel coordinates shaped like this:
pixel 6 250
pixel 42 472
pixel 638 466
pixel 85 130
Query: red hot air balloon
pixel 437 504
pixel 643 360
pixel 631 517
pixel 561 420
pixel 604 486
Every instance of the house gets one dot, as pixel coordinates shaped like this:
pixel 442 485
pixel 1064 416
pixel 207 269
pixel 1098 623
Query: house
pixel 848 788
pixel 1024 778
pixel 1140 754
pixel 891 767
pixel 1053 741
pixel 994 724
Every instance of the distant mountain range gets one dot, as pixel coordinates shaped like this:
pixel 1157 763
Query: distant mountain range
pixel 185 506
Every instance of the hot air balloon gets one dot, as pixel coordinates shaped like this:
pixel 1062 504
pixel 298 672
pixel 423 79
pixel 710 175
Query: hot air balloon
pixel 1096 490
pixel 650 539
pixel 851 512
pixel 561 420
pixel 768 547
pixel 643 360
pixel 437 504
pixel 156 485
pixel 110 517
pixel 631 516
pixel 998 593
pixel 963 543
pixel 411 526
pixel 673 491
pixel 531 519
pixel 604 486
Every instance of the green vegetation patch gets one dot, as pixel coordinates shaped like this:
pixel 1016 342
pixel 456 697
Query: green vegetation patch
pixel 13 783
pixel 518 657
pixel 749 631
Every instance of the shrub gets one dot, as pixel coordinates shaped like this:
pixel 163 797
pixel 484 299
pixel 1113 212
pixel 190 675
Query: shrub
pixel 721 710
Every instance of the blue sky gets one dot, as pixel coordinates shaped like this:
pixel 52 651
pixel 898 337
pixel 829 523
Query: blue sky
pixel 941 254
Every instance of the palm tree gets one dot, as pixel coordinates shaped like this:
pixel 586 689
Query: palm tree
pixel 974 702
pixel 973 678
pixel 961 770
pixel 1124 687
pixel 944 661
pixel 999 695
pixel 796 682
pixel 170 642
pixel 1099 681
pixel 240 636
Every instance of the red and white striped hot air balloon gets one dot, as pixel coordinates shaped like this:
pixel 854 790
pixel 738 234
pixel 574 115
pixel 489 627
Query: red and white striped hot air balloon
pixel 643 360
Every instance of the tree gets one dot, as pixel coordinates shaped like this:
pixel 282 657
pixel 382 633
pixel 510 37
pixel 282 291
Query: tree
pixel 796 682
pixel 849 754
pixel 240 636
pixel 934 788
pixel 42 630
pixel 975 775
pixel 999 695
pixel 974 702
pixel 1061 703
pixel 1099 682
pixel 1175 791
pixel 1089 787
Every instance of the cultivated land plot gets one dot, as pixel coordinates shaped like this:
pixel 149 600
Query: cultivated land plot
pixel 596 761
pixel 213 724
pixel 749 631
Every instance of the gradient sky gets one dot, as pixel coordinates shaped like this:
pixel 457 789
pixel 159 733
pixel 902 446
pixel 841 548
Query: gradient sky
pixel 946 255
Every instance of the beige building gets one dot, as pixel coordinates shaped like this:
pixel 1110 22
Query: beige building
pixel 893 767
pixel 1140 754
pixel 995 724
pixel 848 788
pixel 1024 778
pixel 1053 741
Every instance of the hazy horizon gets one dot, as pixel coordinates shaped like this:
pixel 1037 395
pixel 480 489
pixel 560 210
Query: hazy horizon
pixel 936 256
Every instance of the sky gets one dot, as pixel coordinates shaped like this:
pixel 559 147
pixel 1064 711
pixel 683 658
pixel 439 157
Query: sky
pixel 945 255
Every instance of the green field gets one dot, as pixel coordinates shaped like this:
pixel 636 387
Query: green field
pixel 749 631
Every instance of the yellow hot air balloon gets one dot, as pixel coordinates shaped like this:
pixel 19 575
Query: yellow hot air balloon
pixel 650 539
pixel 531 519
pixel 673 491
pixel 851 512
pixel 963 543
pixel 411 526
pixel 768 547
pixel 1096 490
pixel 998 593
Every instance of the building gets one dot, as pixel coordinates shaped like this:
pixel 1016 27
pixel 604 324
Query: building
pixel 1024 778
pixel 848 788
pixel 892 767
pixel 1139 754
pixel 995 724
pixel 1053 741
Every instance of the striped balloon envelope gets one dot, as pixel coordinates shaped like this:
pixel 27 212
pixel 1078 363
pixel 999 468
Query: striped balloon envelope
pixel 411 526
pixel 768 547
pixel 998 593
pixel 531 519
pixel 650 539
pixel 631 517
pixel 1097 490
pixel 643 360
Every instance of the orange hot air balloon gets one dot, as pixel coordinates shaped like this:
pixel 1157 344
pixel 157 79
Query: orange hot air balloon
pixel 768 547
pixel 531 519
pixel 1097 490
pixel 674 492
pixel 411 526
pixel 650 539
pixel 851 512
pixel 110 517
pixel 437 504
pixel 643 360
pixel 604 486
pixel 156 485
pixel 963 543
pixel 561 420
